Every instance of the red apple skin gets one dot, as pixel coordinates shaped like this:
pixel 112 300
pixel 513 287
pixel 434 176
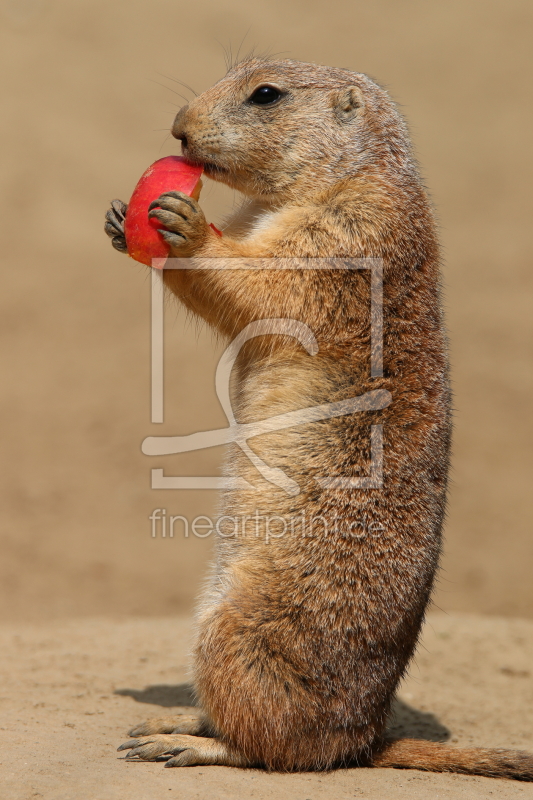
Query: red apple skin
pixel 172 173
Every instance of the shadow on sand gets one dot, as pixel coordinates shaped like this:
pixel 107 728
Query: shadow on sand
pixel 162 695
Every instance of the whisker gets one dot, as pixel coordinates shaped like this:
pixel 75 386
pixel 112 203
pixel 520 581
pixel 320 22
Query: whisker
pixel 182 83
pixel 241 44
pixel 164 143
pixel 169 89
pixel 226 55
pixel 269 55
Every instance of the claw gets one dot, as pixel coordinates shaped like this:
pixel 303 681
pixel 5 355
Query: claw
pixel 114 226
pixel 164 206
pixel 166 217
pixel 145 753
pixel 111 228
pixel 173 239
pixel 162 202
pixel 145 730
pixel 119 243
pixel 180 196
pixel 128 745
pixel 187 758
pixel 119 208
pixel 151 748
pixel 113 223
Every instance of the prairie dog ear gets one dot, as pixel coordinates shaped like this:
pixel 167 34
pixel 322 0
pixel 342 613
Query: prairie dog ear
pixel 348 103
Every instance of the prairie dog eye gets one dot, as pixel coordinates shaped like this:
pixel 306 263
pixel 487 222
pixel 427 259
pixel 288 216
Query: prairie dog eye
pixel 265 96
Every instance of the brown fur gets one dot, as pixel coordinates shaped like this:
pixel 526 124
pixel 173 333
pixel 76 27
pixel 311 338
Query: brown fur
pixel 302 640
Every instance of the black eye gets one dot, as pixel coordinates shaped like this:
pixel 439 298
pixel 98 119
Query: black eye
pixel 265 96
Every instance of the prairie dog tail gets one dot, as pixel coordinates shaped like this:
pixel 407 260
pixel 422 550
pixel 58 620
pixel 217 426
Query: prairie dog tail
pixel 435 757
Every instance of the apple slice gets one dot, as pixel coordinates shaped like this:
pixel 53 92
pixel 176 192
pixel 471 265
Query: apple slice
pixel 172 173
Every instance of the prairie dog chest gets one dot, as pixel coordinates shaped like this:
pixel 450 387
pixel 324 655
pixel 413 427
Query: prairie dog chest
pixel 265 220
pixel 252 219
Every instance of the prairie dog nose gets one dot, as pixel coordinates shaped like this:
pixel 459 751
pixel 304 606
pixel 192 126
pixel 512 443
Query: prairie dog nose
pixel 178 126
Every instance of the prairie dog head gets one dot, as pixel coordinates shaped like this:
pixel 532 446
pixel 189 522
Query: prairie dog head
pixel 273 129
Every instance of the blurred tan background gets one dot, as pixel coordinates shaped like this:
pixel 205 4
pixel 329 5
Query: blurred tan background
pixel 85 105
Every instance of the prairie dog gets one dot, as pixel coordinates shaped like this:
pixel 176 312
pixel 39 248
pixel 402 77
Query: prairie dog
pixel 303 638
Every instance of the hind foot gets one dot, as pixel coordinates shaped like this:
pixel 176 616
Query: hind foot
pixel 191 724
pixel 182 751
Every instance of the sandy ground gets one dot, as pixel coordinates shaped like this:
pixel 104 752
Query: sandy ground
pixel 70 691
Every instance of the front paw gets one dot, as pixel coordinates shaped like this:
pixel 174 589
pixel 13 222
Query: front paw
pixel 114 225
pixel 186 229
